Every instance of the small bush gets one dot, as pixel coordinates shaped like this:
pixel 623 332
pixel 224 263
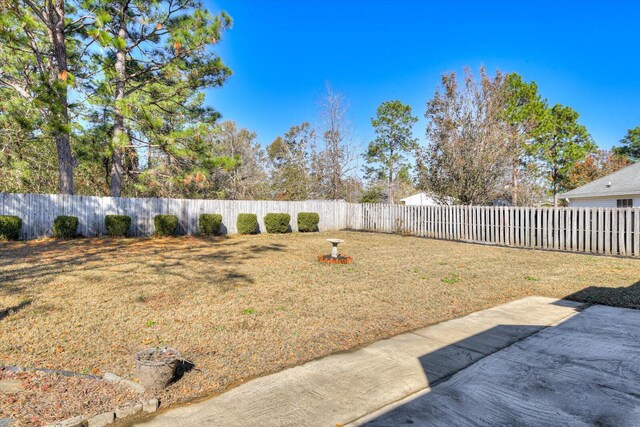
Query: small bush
pixel 166 225
pixel 210 224
pixel 117 225
pixel 277 222
pixel 65 227
pixel 10 227
pixel 308 222
pixel 247 223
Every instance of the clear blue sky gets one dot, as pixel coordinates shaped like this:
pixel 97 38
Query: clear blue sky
pixel 583 54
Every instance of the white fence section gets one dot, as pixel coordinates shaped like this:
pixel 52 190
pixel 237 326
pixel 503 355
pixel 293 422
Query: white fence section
pixel 608 231
pixel 39 210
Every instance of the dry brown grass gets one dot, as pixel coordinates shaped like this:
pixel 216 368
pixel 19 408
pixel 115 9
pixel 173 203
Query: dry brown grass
pixel 246 306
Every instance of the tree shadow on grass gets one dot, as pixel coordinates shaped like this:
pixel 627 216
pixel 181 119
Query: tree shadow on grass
pixel 13 309
pixel 218 259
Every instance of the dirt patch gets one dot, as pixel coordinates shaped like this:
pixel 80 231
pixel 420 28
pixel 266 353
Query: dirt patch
pixel 247 306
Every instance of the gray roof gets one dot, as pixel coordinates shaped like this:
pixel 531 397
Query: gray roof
pixel 626 181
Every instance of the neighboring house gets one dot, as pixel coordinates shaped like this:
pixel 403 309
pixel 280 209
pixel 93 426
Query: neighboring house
pixel 620 189
pixel 422 199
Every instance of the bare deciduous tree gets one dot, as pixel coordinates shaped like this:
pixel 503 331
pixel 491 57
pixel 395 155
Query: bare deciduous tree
pixel 469 157
pixel 332 162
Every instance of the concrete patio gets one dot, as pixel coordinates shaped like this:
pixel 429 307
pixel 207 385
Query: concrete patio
pixel 582 372
pixel 500 366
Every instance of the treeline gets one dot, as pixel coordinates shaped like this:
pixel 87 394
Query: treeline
pixel 106 98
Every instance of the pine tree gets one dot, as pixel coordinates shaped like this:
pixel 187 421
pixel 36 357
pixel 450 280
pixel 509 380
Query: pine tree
pixel 564 143
pixel 630 145
pixel 40 50
pixel 386 155
pixel 156 58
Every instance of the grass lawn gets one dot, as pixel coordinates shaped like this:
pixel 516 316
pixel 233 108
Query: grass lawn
pixel 246 306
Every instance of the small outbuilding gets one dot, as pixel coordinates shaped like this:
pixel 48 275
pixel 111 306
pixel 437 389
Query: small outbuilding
pixel 620 189
pixel 419 199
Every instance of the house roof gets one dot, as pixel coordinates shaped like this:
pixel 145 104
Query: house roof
pixel 626 181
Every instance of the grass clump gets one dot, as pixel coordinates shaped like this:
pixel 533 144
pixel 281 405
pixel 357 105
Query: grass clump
pixel 117 225
pixel 65 227
pixel 308 222
pixel 166 225
pixel 210 224
pixel 10 226
pixel 247 223
pixel 277 222
pixel 451 279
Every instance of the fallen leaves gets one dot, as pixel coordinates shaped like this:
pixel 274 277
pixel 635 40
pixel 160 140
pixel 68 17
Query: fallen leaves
pixel 50 397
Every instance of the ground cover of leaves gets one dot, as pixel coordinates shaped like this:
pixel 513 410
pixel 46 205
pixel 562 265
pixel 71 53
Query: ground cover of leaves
pixel 246 306
pixel 49 396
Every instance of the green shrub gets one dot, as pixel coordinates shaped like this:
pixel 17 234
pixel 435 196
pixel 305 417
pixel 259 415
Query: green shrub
pixel 10 227
pixel 277 222
pixel 65 227
pixel 166 225
pixel 210 224
pixel 308 221
pixel 117 225
pixel 247 223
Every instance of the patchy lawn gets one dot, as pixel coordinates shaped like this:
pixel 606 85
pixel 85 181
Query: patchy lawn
pixel 246 306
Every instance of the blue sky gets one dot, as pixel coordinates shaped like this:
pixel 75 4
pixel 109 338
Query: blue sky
pixel 582 54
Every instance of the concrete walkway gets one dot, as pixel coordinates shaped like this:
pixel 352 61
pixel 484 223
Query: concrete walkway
pixel 353 387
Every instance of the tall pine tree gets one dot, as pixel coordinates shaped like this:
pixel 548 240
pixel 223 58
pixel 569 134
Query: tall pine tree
pixel 156 58
pixel 42 54
pixel 564 143
pixel 386 155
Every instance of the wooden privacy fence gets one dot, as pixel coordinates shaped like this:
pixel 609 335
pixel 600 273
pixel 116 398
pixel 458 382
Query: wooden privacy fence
pixel 608 231
pixel 39 210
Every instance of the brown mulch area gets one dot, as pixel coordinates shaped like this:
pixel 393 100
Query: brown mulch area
pixel 47 396
pixel 246 306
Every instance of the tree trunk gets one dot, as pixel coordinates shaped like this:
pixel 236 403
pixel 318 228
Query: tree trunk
pixel 390 183
pixel 555 195
pixel 118 139
pixel 60 109
pixel 514 189
pixel 65 163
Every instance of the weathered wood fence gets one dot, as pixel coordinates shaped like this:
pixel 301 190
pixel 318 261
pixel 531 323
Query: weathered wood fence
pixel 607 231
pixel 39 210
